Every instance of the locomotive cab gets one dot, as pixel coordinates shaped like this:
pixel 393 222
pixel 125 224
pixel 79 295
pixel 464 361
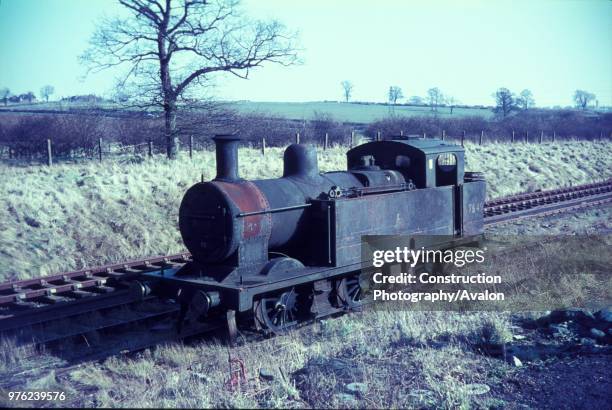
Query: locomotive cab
pixel 428 163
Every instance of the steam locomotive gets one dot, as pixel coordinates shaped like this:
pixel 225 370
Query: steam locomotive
pixel 273 252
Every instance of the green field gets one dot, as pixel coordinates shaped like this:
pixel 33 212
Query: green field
pixel 59 106
pixel 351 112
pixel 344 112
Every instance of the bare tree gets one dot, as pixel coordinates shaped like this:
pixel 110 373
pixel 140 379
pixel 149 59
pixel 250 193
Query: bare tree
pixel 452 102
pixel 347 89
pixel 4 95
pixel 435 98
pixel 170 51
pixel 395 93
pixel 525 100
pixel 46 91
pixel 582 98
pixel 505 101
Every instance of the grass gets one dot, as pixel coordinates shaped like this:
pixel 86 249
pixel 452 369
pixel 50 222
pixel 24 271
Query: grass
pixel 310 367
pixel 357 113
pixel 592 221
pixel 74 215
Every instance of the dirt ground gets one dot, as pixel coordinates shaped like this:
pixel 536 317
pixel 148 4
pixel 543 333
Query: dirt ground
pixel 581 382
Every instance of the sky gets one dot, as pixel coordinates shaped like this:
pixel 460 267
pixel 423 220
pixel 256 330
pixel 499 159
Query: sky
pixel 466 48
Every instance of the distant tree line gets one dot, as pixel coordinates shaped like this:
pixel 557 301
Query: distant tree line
pixel 6 96
pixel 506 101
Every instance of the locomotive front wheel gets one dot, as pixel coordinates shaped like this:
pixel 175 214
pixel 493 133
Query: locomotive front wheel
pixel 278 313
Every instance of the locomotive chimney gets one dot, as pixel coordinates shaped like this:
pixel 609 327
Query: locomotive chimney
pixel 226 149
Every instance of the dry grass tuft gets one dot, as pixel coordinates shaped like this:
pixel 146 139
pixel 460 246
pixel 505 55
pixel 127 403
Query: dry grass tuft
pixel 354 361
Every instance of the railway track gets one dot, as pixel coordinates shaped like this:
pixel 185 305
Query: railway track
pixel 30 308
pixel 548 202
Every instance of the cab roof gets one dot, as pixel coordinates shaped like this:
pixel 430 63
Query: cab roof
pixel 425 145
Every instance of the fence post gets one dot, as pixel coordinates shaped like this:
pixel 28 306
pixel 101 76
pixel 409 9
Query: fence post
pixel 554 135
pixel 100 149
pixel 190 146
pixel 462 137
pixel 512 135
pixel 150 147
pixel 177 146
pixel 424 135
pixel 401 133
pixel 325 145
pixel 526 136
pixel 263 146
pixel 49 154
pixel 601 135
pixel 481 137
pixel 377 135
pixel 443 135
pixel 352 139
pixel 297 137
pixel 541 136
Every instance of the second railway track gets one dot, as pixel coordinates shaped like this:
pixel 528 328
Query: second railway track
pixel 547 202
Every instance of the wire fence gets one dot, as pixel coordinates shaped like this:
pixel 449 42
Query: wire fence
pixel 108 150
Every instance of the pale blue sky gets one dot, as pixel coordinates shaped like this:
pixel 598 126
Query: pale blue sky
pixel 467 48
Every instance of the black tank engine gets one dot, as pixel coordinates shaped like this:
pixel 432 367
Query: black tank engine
pixel 290 247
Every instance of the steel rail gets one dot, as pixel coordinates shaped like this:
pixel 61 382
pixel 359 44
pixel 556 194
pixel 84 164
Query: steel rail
pixel 31 301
